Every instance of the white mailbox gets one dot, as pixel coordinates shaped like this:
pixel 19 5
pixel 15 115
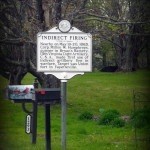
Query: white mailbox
pixel 20 93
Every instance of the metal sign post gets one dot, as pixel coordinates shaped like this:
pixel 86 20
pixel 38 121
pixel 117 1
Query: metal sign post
pixel 63 113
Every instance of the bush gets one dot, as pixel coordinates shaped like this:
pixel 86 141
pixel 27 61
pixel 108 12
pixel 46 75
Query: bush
pixel 118 122
pixel 108 116
pixel 86 116
pixel 141 118
pixel 101 110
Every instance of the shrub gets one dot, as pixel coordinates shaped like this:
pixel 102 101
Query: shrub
pixel 141 118
pixel 108 116
pixel 86 116
pixel 118 122
pixel 101 110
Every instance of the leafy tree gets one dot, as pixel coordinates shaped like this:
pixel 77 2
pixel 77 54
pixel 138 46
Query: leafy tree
pixel 122 23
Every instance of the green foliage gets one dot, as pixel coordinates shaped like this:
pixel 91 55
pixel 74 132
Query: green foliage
pixel 108 116
pixel 113 27
pixel 118 122
pixel 86 116
pixel 101 110
pixel 141 118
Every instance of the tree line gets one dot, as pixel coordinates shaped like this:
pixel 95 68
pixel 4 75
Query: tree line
pixel 120 30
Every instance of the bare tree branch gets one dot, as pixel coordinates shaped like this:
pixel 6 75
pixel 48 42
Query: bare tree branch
pixel 108 20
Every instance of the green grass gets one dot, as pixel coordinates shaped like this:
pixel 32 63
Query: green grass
pixel 89 92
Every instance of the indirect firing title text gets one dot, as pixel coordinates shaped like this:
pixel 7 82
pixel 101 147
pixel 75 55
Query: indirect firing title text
pixel 64 52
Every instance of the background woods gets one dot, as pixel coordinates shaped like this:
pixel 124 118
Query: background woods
pixel 120 30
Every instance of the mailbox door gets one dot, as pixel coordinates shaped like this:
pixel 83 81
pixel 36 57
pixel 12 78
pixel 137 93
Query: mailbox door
pixel 48 95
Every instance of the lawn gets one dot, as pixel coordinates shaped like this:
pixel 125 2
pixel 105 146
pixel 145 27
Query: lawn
pixel 87 93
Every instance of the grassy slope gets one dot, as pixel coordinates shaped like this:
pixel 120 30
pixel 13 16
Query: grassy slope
pixel 89 92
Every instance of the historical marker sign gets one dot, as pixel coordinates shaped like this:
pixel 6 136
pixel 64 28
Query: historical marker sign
pixel 64 52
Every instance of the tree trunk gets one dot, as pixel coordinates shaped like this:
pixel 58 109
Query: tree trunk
pixel 148 53
pixel 128 49
pixel 104 59
pixel 16 76
pixel 56 11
